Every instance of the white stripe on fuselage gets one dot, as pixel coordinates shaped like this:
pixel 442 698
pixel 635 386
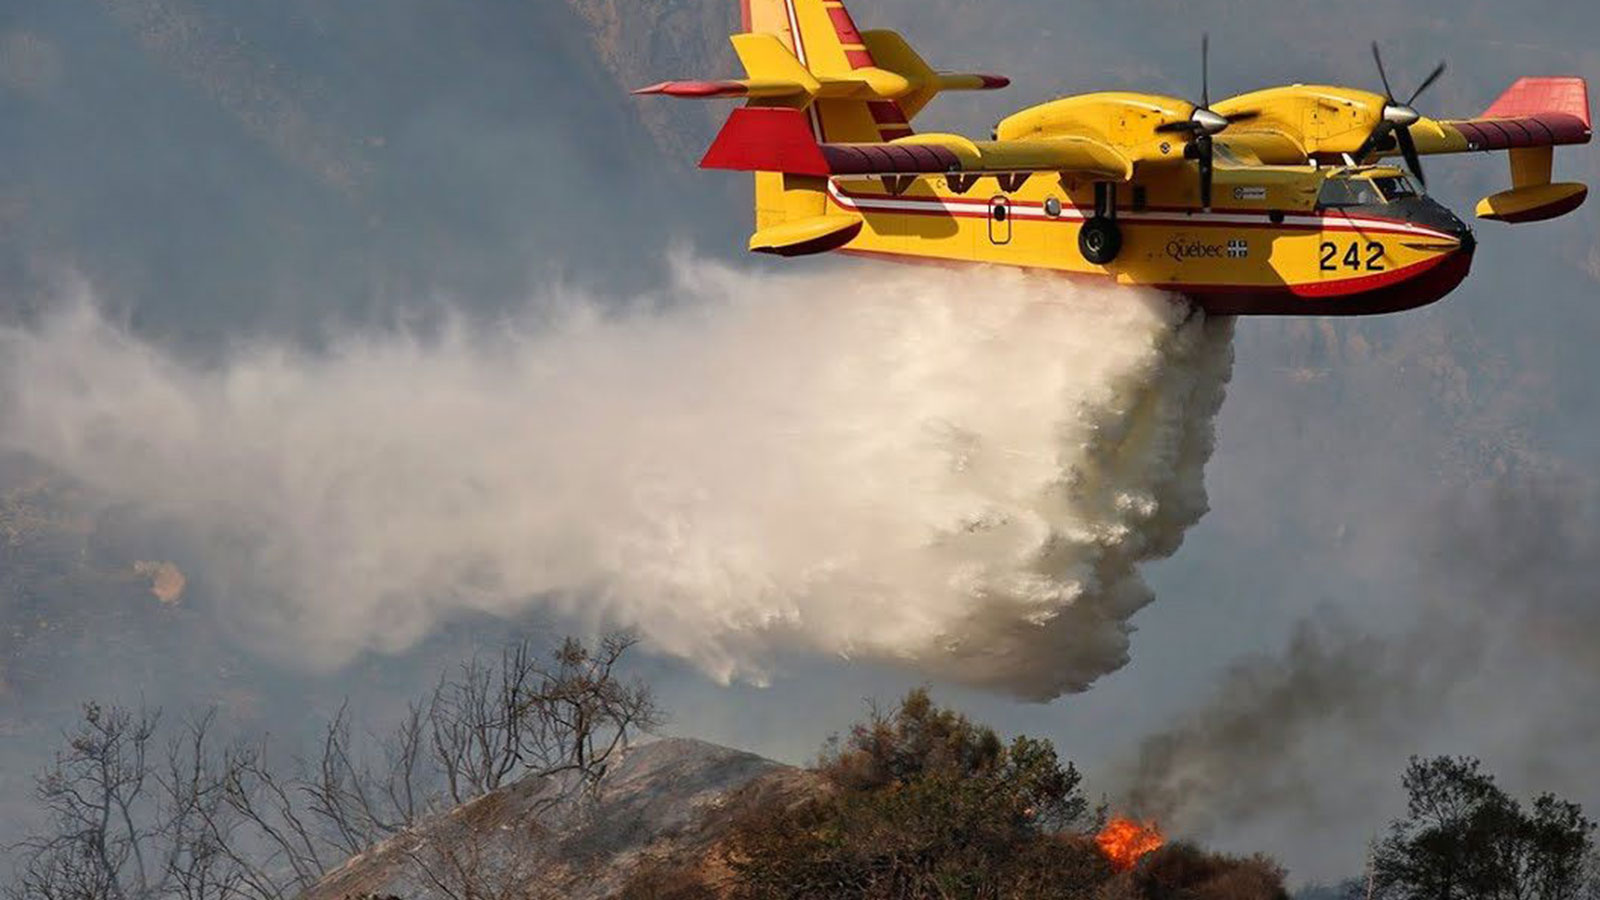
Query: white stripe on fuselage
pixel 951 205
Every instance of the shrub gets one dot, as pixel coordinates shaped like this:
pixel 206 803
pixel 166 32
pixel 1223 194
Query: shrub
pixel 925 804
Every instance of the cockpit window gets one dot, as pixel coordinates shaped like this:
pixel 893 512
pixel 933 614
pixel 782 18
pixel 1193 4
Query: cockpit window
pixel 1340 191
pixel 1396 188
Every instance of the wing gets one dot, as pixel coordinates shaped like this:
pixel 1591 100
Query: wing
pixel 1528 121
pixel 774 139
pixel 1534 112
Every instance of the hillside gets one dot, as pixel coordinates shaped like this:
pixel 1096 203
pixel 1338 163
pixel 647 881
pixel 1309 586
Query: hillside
pixel 670 800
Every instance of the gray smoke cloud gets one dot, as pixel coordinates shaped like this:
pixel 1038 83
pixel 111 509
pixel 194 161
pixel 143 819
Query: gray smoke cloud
pixel 957 472
pixel 1498 663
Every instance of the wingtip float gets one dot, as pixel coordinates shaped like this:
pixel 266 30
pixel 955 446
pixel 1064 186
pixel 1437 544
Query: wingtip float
pixel 1275 202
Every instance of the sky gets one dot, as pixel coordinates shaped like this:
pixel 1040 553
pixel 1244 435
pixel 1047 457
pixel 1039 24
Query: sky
pixel 1400 546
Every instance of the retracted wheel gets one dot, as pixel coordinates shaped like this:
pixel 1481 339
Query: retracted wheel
pixel 1100 240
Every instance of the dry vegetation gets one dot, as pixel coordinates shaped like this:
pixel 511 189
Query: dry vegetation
pixel 511 781
pixel 139 812
pixel 921 802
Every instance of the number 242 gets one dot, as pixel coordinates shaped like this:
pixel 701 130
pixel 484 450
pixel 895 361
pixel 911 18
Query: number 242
pixel 1352 257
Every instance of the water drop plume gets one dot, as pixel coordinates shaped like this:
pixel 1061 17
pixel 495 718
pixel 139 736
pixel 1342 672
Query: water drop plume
pixel 960 472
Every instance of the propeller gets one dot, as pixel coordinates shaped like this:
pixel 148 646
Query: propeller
pixel 1398 118
pixel 1202 124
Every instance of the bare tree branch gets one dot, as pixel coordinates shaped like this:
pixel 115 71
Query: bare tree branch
pixel 209 821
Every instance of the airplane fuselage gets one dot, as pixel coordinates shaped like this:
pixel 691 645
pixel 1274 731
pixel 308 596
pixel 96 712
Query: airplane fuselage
pixel 1272 202
pixel 1267 246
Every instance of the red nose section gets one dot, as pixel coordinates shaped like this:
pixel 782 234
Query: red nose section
pixel 1389 292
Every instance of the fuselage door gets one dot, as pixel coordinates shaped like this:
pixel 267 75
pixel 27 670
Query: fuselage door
pixel 1000 220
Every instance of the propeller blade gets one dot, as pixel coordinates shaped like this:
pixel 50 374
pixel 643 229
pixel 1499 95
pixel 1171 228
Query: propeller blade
pixel 1186 126
pixel 1377 57
pixel 1427 83
pixel 1205 70
pixel 1204 149
pixel 1398 118
pixel 1243 116
pixel 1413 159
pixel 1374 139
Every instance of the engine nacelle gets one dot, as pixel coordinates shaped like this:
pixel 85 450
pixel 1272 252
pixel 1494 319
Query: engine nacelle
pixel 1121 119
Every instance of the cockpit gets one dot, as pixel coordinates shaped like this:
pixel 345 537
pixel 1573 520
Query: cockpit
pixel 1344 189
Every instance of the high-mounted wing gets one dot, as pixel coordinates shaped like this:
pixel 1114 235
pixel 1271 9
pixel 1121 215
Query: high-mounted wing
pixel 775 139
pixel 1330 125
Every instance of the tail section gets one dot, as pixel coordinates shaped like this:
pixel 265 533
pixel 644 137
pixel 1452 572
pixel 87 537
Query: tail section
pixel 857 87
pixel 823 36
pixel 853 86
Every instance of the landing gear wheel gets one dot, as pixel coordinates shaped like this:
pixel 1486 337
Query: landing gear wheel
pixel 1100 240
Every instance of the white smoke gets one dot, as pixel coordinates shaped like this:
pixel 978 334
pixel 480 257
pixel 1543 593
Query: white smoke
pixel 957 471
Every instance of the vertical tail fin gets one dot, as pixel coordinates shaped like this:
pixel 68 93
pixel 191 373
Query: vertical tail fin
pixel 857 87
pixel 854 86
pixel 823 37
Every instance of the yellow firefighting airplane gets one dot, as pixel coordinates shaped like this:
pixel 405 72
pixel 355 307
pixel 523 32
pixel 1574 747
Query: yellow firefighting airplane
pixel 1269 203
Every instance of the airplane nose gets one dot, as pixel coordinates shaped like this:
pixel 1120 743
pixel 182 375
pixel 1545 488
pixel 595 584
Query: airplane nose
pixel 1430 213
pixel 1460 230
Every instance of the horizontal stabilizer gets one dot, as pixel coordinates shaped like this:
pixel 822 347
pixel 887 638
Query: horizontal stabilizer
pixel 775 73
pixel 697 89
pixel 893 53
pixel 767 61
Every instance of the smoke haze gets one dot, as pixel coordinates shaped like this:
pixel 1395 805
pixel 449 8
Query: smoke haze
pixel 1310 741
pixel 227 169
pixel 942 470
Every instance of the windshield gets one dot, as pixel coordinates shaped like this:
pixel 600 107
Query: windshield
pixel 1395 188
pixel 1340 191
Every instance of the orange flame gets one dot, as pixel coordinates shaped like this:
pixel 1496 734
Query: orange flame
pixel 1125 842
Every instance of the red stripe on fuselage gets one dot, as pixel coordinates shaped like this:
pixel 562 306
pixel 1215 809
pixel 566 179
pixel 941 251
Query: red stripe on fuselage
pixel 1423 283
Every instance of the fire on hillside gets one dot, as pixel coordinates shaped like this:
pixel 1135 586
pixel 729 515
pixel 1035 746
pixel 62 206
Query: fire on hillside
pixel 1125 842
